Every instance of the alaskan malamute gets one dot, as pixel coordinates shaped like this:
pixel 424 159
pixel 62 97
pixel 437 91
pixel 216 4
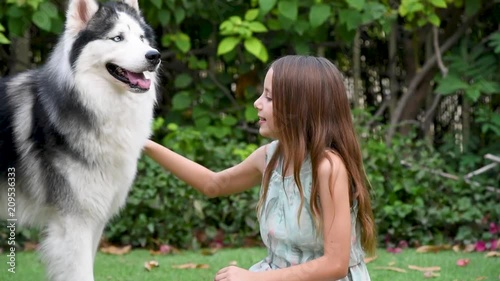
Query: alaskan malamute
pixel 72 131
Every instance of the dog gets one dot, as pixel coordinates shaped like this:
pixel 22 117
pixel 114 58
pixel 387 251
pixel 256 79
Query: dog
pixel 72 131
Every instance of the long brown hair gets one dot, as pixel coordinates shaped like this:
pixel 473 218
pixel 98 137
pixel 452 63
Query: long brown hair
pixel 312 116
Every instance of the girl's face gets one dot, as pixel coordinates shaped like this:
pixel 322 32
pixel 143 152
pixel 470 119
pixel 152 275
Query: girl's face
pixel 264 106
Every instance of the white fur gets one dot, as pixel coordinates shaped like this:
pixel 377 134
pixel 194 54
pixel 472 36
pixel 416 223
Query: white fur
pixel 123 120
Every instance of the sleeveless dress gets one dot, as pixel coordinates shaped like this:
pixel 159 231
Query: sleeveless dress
pixel 289 243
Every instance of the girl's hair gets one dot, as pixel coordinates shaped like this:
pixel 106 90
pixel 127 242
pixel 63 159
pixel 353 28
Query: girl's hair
pixel 312 115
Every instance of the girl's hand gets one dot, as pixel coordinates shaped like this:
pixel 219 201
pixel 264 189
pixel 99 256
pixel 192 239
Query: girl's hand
pixel 234 273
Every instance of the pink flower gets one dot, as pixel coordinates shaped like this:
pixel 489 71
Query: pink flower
pixel 480 246
pixel 494 228
pixel 463 262
pixel 493 244
pixel 165 249
pixel 403 244
pixel 396 250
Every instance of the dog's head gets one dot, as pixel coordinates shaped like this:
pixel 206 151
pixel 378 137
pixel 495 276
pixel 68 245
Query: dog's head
pixel 112 39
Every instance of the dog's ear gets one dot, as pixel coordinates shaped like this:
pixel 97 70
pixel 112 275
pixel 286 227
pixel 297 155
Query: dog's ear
pixel 79 13
pixel 132 3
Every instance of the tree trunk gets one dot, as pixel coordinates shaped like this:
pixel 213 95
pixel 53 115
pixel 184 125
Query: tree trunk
pixel 356 59
pixel 394 85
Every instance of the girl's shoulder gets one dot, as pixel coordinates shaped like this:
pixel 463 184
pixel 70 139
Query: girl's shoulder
pixel 332 164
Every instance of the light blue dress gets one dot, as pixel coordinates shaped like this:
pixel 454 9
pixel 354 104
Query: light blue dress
pixel 289 243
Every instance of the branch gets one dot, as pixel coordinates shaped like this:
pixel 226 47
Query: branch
pixel 219 85
pixel 442 67
pixel 379 112
pixel 415 82
pixel 430 112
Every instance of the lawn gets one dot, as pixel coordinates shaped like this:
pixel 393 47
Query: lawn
pixel 130 267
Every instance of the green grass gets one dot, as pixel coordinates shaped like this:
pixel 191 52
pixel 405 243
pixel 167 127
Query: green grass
pixel 130 267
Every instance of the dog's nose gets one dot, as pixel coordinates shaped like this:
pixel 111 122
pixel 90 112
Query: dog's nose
pixel 153 57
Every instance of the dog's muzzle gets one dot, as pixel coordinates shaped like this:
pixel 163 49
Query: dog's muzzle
pixel 153 57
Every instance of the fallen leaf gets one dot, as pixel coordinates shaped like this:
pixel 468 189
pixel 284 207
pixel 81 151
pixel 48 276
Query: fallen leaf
pixel 480 278
pixel 151 264
pixel 469 248
pixel 164 250
pixel 233 263
pixel 493 254
pixel 431 248
pixel 370 259
pixel 191 266
pixel 113 250
pixel 208 252
pixel 463 262
pixel 391 263
pixel 431 274
pixel 391 268
pixel 457 248
pixel 30 246
pixel 425 269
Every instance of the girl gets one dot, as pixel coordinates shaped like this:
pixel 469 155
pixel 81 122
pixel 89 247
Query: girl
pixel 314 210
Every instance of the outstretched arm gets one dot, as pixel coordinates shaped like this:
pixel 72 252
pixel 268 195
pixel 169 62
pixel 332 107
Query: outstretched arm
pixel 236 179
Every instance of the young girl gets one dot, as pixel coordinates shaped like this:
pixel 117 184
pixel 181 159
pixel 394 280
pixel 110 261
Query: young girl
pixel 314 210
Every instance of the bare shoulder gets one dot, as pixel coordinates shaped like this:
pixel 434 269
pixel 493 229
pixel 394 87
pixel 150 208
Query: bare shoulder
pixel 332 164
pixel 258 158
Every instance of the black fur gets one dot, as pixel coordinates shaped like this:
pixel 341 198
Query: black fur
pixel 8 153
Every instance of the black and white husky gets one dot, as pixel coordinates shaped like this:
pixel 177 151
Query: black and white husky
pixel 71 132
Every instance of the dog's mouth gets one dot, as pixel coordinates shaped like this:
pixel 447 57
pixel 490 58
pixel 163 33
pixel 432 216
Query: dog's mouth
pixel 136 81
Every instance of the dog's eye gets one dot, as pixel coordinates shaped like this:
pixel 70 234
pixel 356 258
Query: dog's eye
pixel 142 38
pixel 118 38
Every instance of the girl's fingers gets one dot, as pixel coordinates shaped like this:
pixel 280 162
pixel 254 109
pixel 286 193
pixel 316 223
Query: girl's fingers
pixel 220 276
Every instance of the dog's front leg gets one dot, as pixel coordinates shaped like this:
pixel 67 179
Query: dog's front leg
pixel 67 249
pixel 96 238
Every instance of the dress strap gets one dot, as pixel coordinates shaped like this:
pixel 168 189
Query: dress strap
pixel 270 149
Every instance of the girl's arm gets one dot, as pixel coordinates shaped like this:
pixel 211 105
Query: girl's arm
pixel 334 264
pixel 236 179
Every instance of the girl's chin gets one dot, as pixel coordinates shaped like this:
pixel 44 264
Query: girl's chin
pixel 265 133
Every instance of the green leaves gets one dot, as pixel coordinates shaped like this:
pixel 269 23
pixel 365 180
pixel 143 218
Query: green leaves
pixel 182 81
pixel 181 101
pixel 318 14
pixel 266 6
pixel 450 85
pixel 439 3
pixel 181 40
pixel 356 4
pixel 242 30
pixel 3 39
pixel 227 45
pixel 256 48
pixel 288 9
pixel 44 16
pixel 420 13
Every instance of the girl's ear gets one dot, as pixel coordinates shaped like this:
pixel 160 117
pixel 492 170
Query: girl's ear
pixel 79 13
pixel 132 3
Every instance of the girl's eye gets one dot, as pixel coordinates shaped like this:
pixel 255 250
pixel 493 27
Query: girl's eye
pixel 118 38
pixel 269 99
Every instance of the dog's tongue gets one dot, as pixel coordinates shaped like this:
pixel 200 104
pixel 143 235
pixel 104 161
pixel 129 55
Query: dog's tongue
pixel 138 79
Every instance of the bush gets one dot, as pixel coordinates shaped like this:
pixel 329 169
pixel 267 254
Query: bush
pixel 414 202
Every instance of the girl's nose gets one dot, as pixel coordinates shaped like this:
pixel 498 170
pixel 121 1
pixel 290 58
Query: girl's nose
pixel 256 103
